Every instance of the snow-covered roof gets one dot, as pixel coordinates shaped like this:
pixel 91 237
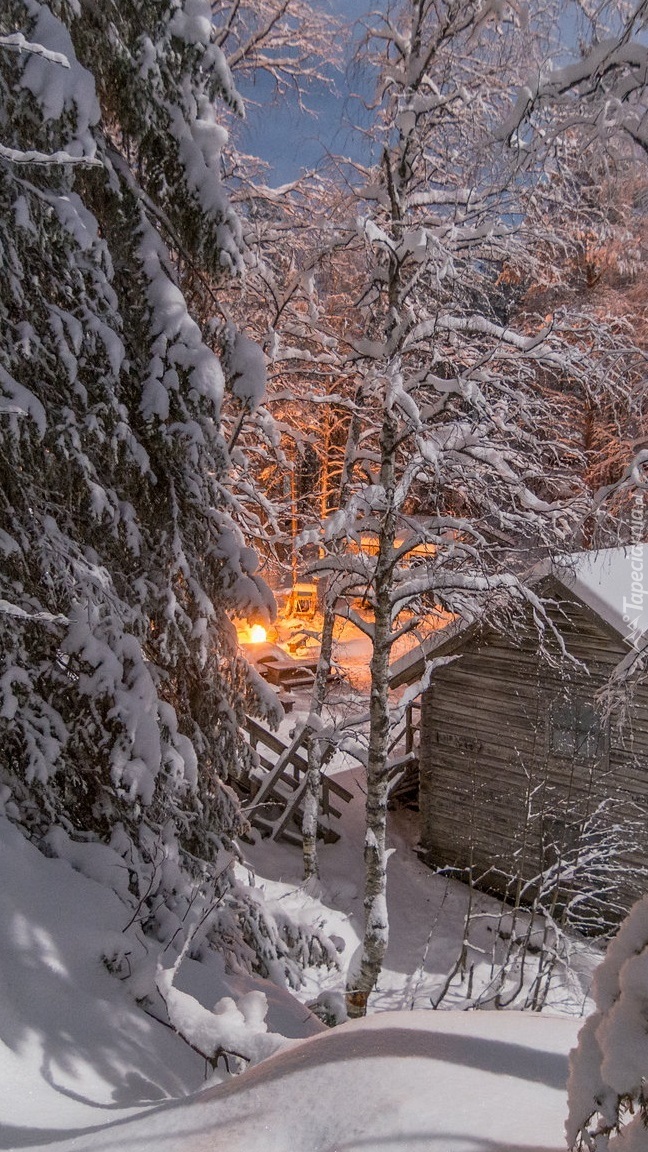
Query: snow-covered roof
pixel 612 582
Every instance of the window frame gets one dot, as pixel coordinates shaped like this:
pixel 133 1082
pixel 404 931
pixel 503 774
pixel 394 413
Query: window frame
pixel 578 751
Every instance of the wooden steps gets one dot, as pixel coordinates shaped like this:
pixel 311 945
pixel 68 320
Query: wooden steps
pixel 404 788
pixel 276 789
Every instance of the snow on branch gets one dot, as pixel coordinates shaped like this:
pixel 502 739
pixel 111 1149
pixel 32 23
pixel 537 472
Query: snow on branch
pixel 634 476
pixel 583 77
pixel 479 325
pixel 9 609
pixel 447 581
pixel 16 156
pixel 417 689
pixel 18 401
pixel 348 613
pixel 229 1028
pixel 17 41
pixel 293 45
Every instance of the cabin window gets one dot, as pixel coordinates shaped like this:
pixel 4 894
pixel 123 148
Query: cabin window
pixel 575 730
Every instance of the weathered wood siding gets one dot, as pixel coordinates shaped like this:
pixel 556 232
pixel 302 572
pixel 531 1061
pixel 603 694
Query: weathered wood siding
pixel 493 797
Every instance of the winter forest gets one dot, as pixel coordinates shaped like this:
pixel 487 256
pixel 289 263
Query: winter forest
pixel 323 616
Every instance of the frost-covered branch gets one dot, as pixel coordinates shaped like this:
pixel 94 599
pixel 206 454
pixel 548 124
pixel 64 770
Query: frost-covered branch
pixel 287 40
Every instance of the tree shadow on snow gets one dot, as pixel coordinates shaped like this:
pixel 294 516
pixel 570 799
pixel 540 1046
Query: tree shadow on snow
pixel 60 1003
pixel 435 1142
pixel 497 1056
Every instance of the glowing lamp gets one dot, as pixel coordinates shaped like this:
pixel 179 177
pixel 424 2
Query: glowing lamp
pixel 258 634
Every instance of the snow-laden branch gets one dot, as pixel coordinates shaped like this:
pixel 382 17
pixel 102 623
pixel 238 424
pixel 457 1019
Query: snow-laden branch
pixel 417 689
pixel 33 157
pixel 9 609
pixel 17 42
pixel 288 41
pixel 349 613
pixel 480 325
pixel 229 1028
pixel 586 75
pixel 435 580
pixel 634 476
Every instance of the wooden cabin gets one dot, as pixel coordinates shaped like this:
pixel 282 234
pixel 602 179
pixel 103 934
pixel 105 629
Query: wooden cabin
pixel 526 784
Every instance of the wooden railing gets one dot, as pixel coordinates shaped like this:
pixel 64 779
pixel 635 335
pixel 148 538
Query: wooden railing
pixel 404 759
pixel 276 797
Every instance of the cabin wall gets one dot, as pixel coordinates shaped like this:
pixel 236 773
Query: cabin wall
pixel 494 796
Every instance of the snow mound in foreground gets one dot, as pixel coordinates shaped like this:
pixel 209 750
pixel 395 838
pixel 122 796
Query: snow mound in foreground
pixel 395 1082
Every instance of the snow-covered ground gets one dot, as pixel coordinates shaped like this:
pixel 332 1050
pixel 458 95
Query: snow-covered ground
pixel 401 1082
pixel 426 914
pixel 83 1067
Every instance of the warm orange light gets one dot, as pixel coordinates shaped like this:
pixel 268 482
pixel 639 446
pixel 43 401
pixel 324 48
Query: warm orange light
pixel 258 634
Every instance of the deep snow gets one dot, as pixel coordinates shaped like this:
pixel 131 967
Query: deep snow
pixel 396 1082
pixel 83 1068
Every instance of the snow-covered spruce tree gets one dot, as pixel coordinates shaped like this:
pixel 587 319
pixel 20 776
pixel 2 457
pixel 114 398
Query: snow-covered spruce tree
pixel 608 1108
pixel 457 476
pixel 121 688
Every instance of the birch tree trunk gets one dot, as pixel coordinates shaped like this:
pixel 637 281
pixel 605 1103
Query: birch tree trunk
pixel 315 747
pixel 376 929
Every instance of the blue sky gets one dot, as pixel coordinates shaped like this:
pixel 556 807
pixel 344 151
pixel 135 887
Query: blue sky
pixel 291 140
